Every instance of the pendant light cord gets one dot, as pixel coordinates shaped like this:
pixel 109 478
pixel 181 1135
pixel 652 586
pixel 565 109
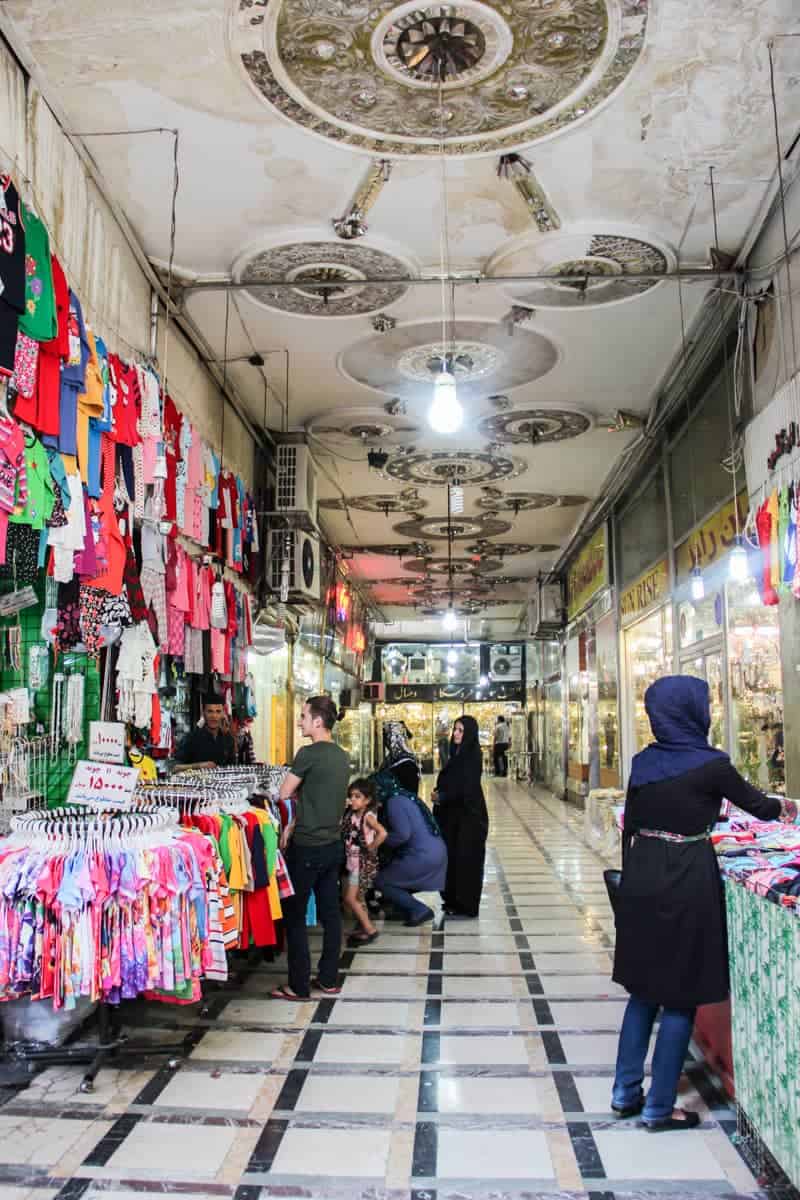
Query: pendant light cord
pixel 444 230
pixel 726 362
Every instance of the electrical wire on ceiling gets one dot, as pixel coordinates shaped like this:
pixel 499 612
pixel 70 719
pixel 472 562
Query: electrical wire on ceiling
pixel 258 354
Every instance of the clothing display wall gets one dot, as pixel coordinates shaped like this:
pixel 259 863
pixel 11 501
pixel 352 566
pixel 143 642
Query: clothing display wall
pixel 109 492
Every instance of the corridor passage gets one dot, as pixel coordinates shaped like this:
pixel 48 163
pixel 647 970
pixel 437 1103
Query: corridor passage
pixel 472 1061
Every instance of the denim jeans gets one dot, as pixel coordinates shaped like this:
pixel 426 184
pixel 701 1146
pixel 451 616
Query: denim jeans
pixel 672 1044
pixel 403 900
pixel 313 868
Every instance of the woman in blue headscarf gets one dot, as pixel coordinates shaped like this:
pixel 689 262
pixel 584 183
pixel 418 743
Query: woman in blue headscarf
pixel 671 949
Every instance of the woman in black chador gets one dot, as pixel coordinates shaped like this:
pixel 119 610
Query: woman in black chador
pixel 460 809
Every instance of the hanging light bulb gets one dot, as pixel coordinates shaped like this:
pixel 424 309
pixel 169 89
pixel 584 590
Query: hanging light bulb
pixel 451 656
pixel 451 672
pixel 450 620
pixel 445 414
pixel 697 586
pixel 738 566
pixel 456 500
pixel 484 681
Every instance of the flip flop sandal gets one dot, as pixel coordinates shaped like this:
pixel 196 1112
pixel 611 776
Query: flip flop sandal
pixel 326 991
pixel 690 1121
pixel 355 940
pixel 286 993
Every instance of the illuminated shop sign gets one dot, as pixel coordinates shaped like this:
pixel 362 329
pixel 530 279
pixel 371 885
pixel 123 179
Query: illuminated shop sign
pixel 588 573
pixel 648 590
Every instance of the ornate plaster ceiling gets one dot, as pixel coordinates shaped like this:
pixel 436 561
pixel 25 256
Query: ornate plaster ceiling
pixel 329 278
pixel 532 426
pixel 458 528
pixel 397 362
pixel 504 548
pixel 379 502
pixel 604 258
pixel 441 566
pixel 365 425
pixel 367 75
pixel 443 467
pixel 526 501
pixel 408 550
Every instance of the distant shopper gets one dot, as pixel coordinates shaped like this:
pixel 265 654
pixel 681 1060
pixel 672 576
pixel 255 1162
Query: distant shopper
pixel 460 809
pixel 671 949
pixel 419 855
pixel 399 759
pixel 210 743
pixel 502 740
pixel 314 850
pixel 363 837
pixel 443 744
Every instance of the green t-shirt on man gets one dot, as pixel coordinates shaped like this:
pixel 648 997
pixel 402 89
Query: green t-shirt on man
pixel 325 771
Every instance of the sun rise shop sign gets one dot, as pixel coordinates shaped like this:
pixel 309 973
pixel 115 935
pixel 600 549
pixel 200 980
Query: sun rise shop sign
pixel 648 590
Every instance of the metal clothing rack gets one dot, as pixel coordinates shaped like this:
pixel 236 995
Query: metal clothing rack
pixel 22 1059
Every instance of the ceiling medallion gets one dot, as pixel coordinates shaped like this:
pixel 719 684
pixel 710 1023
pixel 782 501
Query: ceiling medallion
pixel 604 260
pixel 444 467
pixel 534 425
pixel 362 74
pixel 528 501
pixel 328 277
pixel 487 359
pixel 461 567
pixel 466 608
pixel 465 360
pixel 505 548
pixel 416 549
pixel 378 503
pixel 361 424
pixel 459 527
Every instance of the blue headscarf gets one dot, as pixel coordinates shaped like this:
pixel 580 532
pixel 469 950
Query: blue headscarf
pixel 680 717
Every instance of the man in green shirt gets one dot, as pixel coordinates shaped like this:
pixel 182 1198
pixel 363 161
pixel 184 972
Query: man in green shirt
pixel 314 850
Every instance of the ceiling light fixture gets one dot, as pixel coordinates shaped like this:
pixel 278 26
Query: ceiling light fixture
pixel 445 414
pixel 738 565
pixel 484 681
pixel 451 656
pixel 450 620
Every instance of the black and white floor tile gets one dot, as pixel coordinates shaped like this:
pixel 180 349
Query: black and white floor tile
pixel 471 1060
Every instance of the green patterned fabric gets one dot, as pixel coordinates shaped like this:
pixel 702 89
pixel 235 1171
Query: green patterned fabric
pixel 764 942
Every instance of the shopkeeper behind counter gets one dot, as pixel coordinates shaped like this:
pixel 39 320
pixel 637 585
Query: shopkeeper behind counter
pixel 208 744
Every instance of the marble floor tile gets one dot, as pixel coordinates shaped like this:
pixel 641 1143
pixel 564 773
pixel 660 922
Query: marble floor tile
pixel 174 1151
pixel 230 1046
pixel 484 964
pixel 588 1014
pixel 333 1153
pixel 399 964
pixel 262 1011
pixel 483 1050
pixel 389 1014
pixel 493 1154
pixel 234 1092
pixel 477 987
pixel 581 985
pixel 360 986
pixel 377 1049
pixel 349 1094
pixel 41 1141
pixel 492 1096
pixel 567 964
pixel 636 1154
pixel 482 1015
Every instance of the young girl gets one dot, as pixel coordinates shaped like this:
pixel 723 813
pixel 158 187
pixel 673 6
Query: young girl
pixel 363 834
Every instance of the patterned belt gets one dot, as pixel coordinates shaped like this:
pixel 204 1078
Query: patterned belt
pixel 680 838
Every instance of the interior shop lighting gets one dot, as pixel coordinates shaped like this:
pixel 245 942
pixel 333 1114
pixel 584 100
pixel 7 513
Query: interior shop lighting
pixel 484 681
pixel 450 620
pixel 451 671
pixel 738 566
pixel 697 585
pixel 451 656
pixel 445 414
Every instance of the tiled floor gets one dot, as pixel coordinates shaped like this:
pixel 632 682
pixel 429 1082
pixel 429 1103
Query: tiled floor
pixel 472 1060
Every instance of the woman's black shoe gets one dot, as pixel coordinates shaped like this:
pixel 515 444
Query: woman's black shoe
pixel 690 1120
pixel 632 1110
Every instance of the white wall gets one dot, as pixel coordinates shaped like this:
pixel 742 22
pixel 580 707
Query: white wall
pixel 97 259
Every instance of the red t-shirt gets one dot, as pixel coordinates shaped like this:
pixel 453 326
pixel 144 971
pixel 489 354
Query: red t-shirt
pixel 129 402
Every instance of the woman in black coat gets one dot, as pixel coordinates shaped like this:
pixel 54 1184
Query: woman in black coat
pixel 671 949
pixel 460 809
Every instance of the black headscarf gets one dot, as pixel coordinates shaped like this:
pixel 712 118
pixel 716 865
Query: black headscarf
pixel 459 780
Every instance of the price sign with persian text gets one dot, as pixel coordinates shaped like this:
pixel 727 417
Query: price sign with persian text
pixel 103 784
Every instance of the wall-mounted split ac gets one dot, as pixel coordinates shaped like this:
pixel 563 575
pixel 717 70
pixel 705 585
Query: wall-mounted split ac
pixel 295 481
pixel 302 552
pixel 545 611
pixel 505 663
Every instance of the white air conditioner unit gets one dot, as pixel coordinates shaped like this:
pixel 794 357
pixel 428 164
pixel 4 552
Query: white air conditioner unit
pixel 303 552
pixel 295 481
pixel 545 611
pixel 505 664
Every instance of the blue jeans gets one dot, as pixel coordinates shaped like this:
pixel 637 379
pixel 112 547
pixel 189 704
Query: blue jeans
pixel 313 869
pixel 672 1044
pixel 403 900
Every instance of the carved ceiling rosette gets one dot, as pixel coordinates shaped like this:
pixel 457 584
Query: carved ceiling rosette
pixel 368 75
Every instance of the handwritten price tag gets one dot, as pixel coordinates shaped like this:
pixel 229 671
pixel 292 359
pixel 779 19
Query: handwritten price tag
pixel 107 741
pixel 102 784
